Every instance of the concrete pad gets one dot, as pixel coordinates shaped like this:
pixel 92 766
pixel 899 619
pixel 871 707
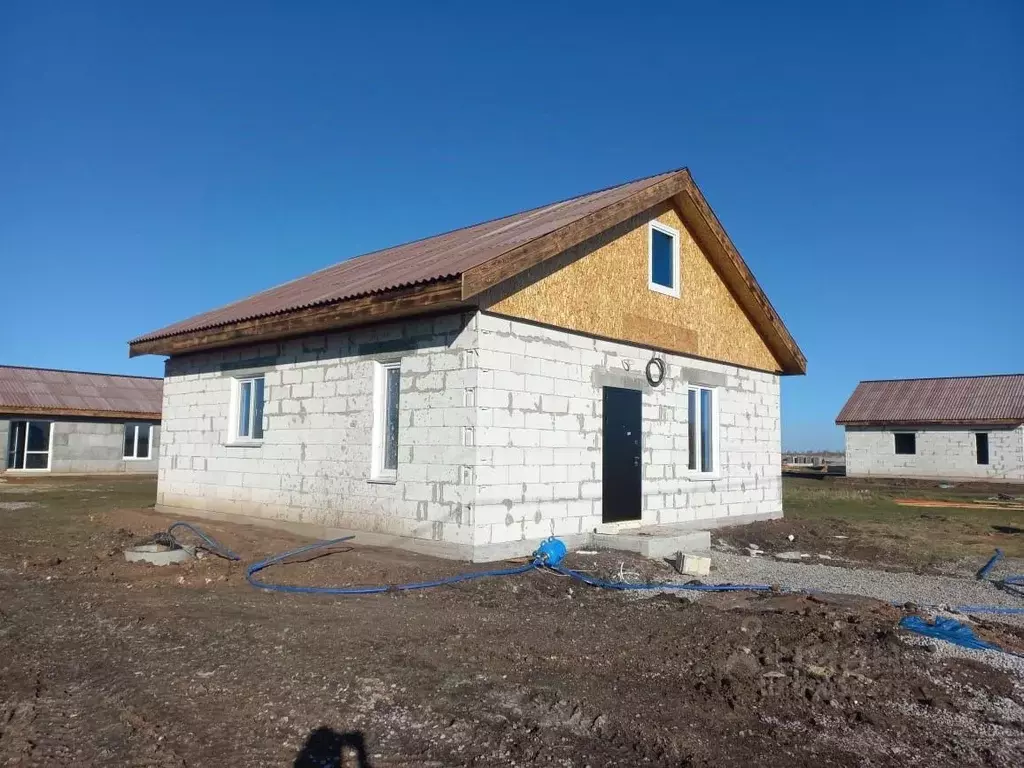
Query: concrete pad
pixel 158 554
pixel 656 541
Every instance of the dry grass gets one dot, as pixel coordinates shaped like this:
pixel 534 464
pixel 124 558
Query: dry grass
pixel 867 512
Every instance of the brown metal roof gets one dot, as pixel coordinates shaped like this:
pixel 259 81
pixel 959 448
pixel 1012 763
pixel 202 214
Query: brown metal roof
pixel 962 400
pixel 43 391
pixel 421 261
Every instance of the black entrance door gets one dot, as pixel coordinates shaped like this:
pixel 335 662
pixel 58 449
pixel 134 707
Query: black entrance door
pixel 623 470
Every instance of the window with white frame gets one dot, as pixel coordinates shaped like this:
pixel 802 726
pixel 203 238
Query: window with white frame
pixel 663 259
pixel 702 426
pixel 136 441
pixel 247 420
pixel 386 385
pixel 28 445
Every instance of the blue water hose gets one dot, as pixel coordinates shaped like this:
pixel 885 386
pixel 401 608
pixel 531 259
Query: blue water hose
pixel 548 555
pixel 993 609
pixel 211 544
pixel 658 586
pixel 552 551
pixel 987 567
pixel 250 575
pixel 1015 581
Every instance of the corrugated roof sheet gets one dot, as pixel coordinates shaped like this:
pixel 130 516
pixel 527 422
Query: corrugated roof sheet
pixel 963 400
pixel 421 261
pixel 52 391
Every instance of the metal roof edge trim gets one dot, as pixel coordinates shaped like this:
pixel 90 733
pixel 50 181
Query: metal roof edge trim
pixel 1011 423
pixel 157 335
pixel 26 410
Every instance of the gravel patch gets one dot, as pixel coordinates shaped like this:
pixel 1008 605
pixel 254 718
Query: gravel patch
pixel 1007 662
pixel 13 505
pixel 893 587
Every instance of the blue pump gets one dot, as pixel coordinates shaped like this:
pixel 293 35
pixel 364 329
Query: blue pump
pixel 551 552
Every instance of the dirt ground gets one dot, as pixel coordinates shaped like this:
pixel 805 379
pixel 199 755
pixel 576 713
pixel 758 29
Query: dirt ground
pixel 103 662
pixel 857 520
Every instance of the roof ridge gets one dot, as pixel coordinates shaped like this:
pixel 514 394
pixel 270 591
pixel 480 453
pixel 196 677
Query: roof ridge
pixel 86 373
pixel 358 256
pixel 942 378
pixel 507 216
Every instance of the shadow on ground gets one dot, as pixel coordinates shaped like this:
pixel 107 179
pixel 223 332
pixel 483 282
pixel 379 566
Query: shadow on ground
pixel 326 748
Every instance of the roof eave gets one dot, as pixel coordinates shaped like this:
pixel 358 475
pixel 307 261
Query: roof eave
pixel 25 410
pixel 930 423
pixel 436 296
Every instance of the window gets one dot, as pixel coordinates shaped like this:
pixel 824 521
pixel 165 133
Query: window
pixel 248 409
pixel 663 259
pixel 981 444
pixel 702 430
pixel 385 421
pixel 28 445
pixel 906 443
pixel 136 441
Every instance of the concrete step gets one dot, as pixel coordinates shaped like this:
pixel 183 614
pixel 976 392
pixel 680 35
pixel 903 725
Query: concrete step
pixel 656 542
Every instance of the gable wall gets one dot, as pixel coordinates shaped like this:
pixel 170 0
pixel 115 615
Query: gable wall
pixel 601 288
pixel 539 436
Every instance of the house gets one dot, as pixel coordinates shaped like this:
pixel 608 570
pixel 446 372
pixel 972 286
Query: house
pixel 76 422
pixel 601 362
pixel 953 428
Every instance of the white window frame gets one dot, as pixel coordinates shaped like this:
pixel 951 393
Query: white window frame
pixel 26 451
pixel 236 396
pixel 676 290
pixel 716 428
pixel 135 443
pixel 378 472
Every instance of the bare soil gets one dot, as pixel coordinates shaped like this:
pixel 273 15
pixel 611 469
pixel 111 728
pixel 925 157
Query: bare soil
pixel 103 662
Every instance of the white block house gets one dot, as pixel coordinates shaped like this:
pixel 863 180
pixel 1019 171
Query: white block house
pixel 604 362
pixel 963 428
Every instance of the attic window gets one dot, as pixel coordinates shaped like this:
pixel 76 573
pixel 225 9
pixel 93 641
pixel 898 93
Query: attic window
pixel 663 259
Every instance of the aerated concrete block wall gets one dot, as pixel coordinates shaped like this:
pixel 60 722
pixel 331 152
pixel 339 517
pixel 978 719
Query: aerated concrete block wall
pixel 499 436
pixel 539 435
pixel 314 463
pixel 94 446
pixel 948 452
pixel 98 447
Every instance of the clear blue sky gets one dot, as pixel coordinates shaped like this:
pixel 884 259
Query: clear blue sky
pixel 157 160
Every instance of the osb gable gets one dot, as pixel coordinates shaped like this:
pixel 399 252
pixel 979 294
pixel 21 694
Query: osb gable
pixel 600 287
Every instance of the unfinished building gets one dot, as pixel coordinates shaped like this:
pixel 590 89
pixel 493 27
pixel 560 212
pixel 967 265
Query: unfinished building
pixel 603 362
pixel 969 427
pixel 54 421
